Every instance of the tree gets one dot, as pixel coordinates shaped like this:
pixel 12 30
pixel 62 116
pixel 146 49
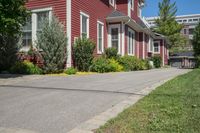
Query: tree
pixel 166 23
pixel 52 43
pixel 13 15
pixel 196 41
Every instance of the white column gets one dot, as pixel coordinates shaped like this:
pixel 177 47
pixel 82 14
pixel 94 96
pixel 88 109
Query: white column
pixel 143 53
pixel 163 49
pixel 69 42
pixel 34 28
pixel 123 39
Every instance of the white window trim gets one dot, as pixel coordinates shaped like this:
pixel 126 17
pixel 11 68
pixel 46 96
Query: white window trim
pixel 134 42
pixel 88 24
pixel 112 4
pixel 101 23
pixel 158 47
pixel 34 21
pixel 119 34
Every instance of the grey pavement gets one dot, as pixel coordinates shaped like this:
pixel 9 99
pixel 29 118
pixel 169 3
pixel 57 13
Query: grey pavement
pixel 51 104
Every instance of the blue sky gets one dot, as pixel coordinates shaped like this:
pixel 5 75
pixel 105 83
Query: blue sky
pixel 185 7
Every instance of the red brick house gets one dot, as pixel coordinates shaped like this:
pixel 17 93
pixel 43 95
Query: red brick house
pixel 109 23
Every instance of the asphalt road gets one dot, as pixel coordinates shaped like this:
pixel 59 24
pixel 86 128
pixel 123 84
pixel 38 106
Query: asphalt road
pixel 47 104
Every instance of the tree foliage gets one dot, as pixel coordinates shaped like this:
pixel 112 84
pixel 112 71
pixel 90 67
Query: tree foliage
pixel 13 16
pixel 52 42
pixel 167 25
pixel 196 41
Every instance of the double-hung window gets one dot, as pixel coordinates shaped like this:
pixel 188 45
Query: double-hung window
pixel 131 42
pixel 27 34
pixel 114 37
pixel 156 47
pixel 100 37
pixel 84 25
pixel 41 17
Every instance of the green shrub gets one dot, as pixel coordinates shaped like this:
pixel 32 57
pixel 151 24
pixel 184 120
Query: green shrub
pixel 103 65
pixel 111 53
pixel 83 53
pixel 157 60
pixel 115 66
pixel 71 71
pixel 25 67
pixel 132 63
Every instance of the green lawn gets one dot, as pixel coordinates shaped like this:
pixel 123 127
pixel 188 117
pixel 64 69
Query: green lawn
pixel 172 108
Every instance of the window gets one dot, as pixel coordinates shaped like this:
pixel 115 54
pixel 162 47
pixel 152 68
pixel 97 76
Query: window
pixel 156 47
pixel 184 20
pixel 27 34
pixel 34 25
pixel 195 20
pixel 112 3
pixel 100 37
pixel 84 25
pixel 185 31
pixel 41 17
pixel 114 37
pixel 131 42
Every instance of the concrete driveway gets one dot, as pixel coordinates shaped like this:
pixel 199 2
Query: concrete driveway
pixel 47 104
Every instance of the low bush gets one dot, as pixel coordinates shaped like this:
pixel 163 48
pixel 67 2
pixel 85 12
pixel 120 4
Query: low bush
pixel 111 53
pixel 157 60
pixel 131 63
pixel 71 71
pixel 115 66
pixel 83 53
pixel 103 65
pixel 25 67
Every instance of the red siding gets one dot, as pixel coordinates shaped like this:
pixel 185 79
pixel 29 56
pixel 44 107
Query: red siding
pixel 122 6
pixel 134 13
pixel 59 7
pixel 97 10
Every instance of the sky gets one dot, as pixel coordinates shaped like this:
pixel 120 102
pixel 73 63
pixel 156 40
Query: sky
pixel 185 7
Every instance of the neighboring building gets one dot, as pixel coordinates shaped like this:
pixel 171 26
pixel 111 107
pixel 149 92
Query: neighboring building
pixel 189 22
pixel 183 60
pixel 109 23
